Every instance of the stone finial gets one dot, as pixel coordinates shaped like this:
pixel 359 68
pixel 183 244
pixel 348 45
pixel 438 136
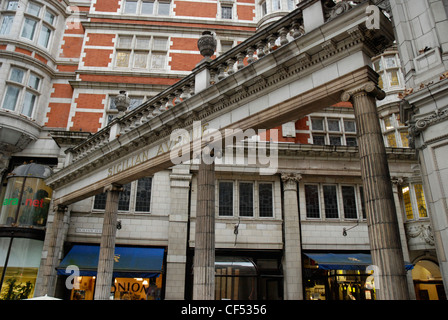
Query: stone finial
pixel 122 102
pixel 207 44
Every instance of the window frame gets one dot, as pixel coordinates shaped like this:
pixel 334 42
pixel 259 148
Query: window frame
pixel 40 23
pixel 24 88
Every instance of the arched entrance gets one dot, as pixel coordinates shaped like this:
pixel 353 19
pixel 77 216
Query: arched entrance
pixel 428 281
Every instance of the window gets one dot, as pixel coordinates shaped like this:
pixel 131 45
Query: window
pixel 264 8
pixel 349 202
pixel 291 5
pixel 421 203
pixel 363 202
pixel 265 200
pixel 146 7
pixel 276 5
pixel 330 201
pixel 226 12
pixel 12 5
pixel 143 197
pixel 225 198
pixel 246 190
pixel 135 197
pixel 335 132
pixel 312 201
pixel 22 91
pixel 138 53
pixel 407 203
pixel 38 24
pixel 395 133
pixel 7 21
pixel 389 70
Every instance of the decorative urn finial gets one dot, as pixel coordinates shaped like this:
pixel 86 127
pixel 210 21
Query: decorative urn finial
pixel 207 44
pixel 122 102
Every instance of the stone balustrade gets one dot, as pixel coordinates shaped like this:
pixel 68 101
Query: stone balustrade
pixel 257 47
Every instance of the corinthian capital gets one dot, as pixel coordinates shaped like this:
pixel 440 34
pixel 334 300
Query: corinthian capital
pixel 290 179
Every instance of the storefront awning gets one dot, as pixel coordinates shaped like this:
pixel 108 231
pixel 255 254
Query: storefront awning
pixel 130 262
pixel 345 261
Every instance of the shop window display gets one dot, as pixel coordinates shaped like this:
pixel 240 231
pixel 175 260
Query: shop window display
pixel 335 284
pixel 122 288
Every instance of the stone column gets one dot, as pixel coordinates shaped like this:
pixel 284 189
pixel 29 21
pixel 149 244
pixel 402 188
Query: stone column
pixel 204 244
pixel 53 241
pixel 177 233
pixel 107 247
pixel 385 243
pixel 293 285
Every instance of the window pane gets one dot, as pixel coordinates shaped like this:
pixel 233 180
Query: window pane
pixel 148 7
pixel 333 125
pixel 388 123
pixel 158 61
pixel 34 81
pixel 99 202
pixel 349 201
pixel 317 124
pixel 351 141
pixel 125 42
pixel 142 43
pixel 349 126
pixel 335 140
pixel 12 5
pixel 312 201
pixel 291 5
pixel 143 199
pixel 394 78
pixel 6 24
pixel 12 94
pixel 421 203
pixel 226 198
pixel 28 104
pixel 140 60
pixel 404 139
pixel 331 202
pixel 265 200
pixel 130 6
pixel 28 29
pixel 17 75
pixel 246 199
pixel 363 202
pixel 407 203
pixel 123 59
pixel 49 17
pixel 377 65
pixel 391 140
pixel 135 102
pixel 226 12
pixel 44 37
pixel 124 198
pixel 319 140
pixel 264 9
pixel 391 62
pixel 164 8
pixel 33 9
pixel 276 5
pixel 380 82
pixel 160 44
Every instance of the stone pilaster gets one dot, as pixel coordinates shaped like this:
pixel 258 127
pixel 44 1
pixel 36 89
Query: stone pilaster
pixel 385 243
pixel 53 241
pixel 177 233
pixel 107 246
pixel 293 285
pixel 204 250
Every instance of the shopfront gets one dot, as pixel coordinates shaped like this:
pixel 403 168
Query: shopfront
pixel 138 272
pixel 339 276
pixel 247 276
pixel 23 217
